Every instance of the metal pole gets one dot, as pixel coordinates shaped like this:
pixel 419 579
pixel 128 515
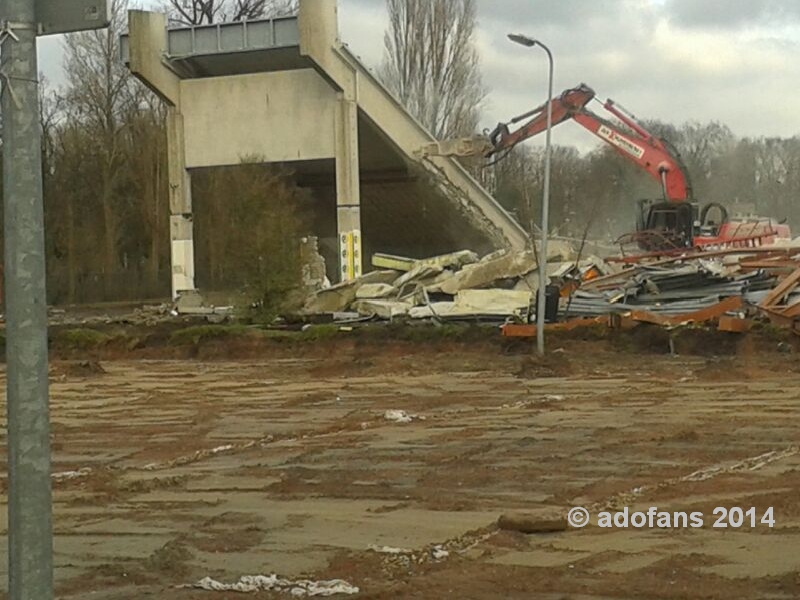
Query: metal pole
pixel 528 42
pixel 540 310
pixel 30 535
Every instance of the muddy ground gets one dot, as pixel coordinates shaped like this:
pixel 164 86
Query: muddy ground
pixel 222 457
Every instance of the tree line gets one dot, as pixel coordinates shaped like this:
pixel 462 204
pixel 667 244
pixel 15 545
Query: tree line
pixel 105 172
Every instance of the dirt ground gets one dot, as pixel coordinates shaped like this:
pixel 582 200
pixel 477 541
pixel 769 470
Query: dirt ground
pixel 169 471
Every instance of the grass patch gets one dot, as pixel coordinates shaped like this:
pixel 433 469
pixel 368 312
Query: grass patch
pixel 82 339
pixel 203 333
pixel 318 333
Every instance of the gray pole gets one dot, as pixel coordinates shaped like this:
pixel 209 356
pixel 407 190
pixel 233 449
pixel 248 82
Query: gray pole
pixel 540 310
pixel 30 536
pixel 528 42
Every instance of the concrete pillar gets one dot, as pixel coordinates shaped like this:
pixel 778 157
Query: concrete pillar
pixel 348 190
pixel 318 21
pixel 180 207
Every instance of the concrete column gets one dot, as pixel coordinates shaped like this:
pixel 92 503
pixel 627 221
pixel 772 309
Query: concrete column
pixel 180 206
pixel 318 21
pixel 348 189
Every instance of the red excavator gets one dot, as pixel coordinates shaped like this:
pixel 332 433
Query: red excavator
pixel 673 222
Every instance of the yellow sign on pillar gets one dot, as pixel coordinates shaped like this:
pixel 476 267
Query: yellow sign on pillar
pixel 350 248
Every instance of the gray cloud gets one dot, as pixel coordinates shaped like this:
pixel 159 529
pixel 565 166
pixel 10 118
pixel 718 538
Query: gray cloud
pixel 733 14
pixel 535 14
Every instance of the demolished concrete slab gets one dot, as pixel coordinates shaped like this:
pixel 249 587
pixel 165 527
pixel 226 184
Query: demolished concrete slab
pixel 454 260
pixel 502 266
pixel 339 297
pixel 382 309
pixel 495 267
pixel 418 274
pixel 191 303
pixel 478 303
pixel 376 291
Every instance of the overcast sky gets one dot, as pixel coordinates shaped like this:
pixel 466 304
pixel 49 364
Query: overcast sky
pixel 734 61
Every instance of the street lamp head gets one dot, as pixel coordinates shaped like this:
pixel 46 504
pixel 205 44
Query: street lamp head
pixel 523 40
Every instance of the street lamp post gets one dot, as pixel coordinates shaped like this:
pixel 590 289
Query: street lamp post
pixel 542 295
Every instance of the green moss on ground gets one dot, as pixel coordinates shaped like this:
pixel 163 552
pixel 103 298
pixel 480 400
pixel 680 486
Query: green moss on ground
pixel 82 338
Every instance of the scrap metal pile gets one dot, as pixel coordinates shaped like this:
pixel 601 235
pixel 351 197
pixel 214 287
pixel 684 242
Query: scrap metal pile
pixel 730 287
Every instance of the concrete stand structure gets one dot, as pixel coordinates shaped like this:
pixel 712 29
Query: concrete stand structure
pixel 287 91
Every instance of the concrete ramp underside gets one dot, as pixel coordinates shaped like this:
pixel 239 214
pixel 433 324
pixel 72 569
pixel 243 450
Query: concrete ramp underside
pixel 287 91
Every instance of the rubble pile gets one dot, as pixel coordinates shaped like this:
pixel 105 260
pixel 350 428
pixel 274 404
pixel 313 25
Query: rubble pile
pixel 730 286
pixel 454 286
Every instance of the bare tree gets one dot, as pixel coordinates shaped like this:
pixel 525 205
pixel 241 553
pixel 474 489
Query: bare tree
pixel 432 65
pixel 98 90
pixel 200 12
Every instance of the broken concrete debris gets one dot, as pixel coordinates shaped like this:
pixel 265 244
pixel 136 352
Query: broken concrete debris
pixel 455 261
pixel 453 286
pixel 191 303
pixel 729 287
pixel 313 273
pixel 401 416
pixel 375 291
pixel 339 297
pixel 480 303
pixel 382 309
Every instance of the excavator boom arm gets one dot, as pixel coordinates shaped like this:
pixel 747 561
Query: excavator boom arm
pixel 563 108
pixel 635 143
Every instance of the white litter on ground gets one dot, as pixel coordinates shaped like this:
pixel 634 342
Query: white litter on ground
pixel 748 464
pixel 273 583
pixel 224 448
pixel 520 404
pixel 552 398
pixel 401 416
pixel 389 550
pixel 199 455
pixel 439 553
pixel 67 475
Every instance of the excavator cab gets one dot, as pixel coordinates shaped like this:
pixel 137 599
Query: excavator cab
pixel 661 224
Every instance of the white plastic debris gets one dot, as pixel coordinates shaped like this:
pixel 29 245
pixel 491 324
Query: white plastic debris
pixel 67 475
pixel 273 583
pixel 389 550
pixel 219 449
pixel 553 398
pixel 398 416
pixel 401 416
pixel 439 553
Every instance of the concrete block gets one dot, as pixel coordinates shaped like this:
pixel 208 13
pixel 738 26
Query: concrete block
pixel 383 309
pixel 339 297
pixel 375 291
